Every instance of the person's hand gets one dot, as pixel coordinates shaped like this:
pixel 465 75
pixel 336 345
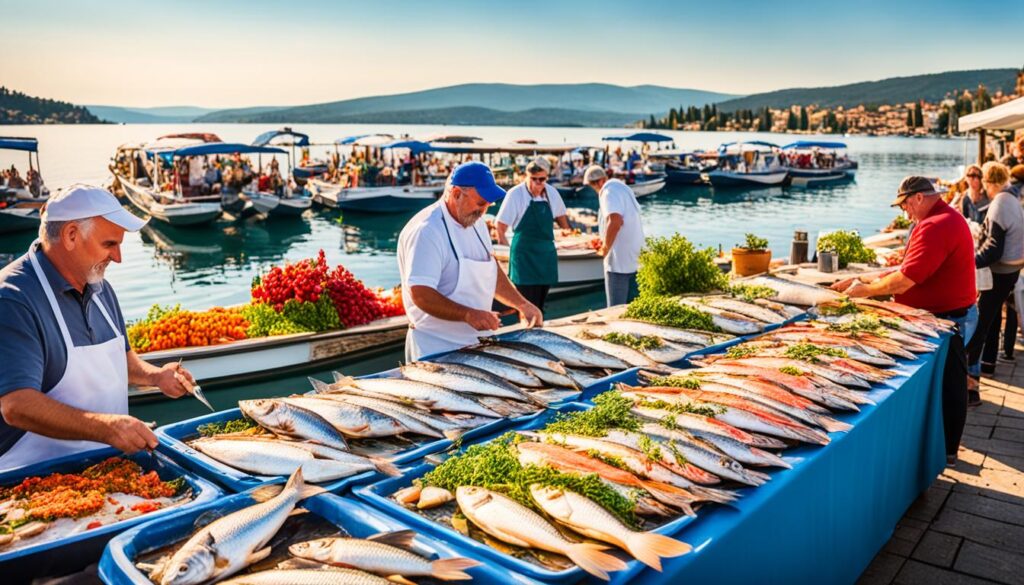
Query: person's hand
pixel 843 284
pixel 603 250
pixel 857 289
pixel 483 320
pixel 126 433
pixel 531 315
pixel 174 380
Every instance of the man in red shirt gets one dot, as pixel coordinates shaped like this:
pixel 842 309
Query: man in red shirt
pixel 937 275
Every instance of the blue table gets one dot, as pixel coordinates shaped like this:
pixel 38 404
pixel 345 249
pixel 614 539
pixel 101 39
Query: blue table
pixel 826 519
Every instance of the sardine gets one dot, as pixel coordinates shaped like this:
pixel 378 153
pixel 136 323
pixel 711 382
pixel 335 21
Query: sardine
pixel 516 374
pixel 286 420
pixel 794 293
pixel 455 378
pixel 569 351
pixel 383 554
pixel 352 420
pixel 433 397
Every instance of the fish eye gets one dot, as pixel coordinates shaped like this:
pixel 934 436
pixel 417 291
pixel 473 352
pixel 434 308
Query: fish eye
pixel 182 568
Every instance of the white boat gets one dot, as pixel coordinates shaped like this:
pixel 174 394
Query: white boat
pixel 393 199
pixel 27 192
pixel 578 268
pixel 748 164
pixel 647 187
pixel 254 359
pixel 167 207
pixel 812 163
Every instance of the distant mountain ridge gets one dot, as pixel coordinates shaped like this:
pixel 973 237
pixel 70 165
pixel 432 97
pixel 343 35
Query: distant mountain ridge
pixel 584 97
pixel 894 90
pixel 19 108
pixel 157 115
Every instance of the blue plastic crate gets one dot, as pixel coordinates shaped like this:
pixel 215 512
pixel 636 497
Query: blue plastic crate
pixel 377 491
pixel 117 567
pixel 75 552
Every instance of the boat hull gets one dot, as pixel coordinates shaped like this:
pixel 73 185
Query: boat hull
pixel 303 174
pixel 644 188
pixel 177 214
pixel 374 199
pixel 684 177
pixel 18 219
pixel 730 179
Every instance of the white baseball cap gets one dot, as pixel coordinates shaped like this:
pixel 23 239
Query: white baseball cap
pixel 84 201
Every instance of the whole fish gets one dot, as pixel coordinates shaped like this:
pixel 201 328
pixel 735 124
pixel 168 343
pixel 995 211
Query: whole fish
pixel 433 397
pixel 329 576
pixel 233 542
pixel 570 352
pixel 855 350
pixel 455 378
pixel 791 292
pixel 707 427
pixel 800 385
pixel 382 554
pixel 725 320
pixel 524 353
pixel 516 374
pixel 511 522
pixel 286 420
pixel 413 419
pixel 269 458
pixel 674 334
pixel 589 519
pixel 751 389
pixel 352 420
pixel 733 448
pixel 839 377
pixel 751 310
pixel 625 353
pixel 783 309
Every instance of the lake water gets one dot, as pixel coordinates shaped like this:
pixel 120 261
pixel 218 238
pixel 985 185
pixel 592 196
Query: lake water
pixel 214 265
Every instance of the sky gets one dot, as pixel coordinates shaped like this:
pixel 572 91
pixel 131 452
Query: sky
pixel 231 53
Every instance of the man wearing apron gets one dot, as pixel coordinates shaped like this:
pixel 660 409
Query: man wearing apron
pixel 67 364
pixel 530 209
pixel 448 271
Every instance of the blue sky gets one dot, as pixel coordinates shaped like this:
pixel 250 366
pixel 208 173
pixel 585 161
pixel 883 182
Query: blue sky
pixel 260 52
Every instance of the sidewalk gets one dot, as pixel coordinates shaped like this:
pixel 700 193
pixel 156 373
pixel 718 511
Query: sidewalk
pixel 969 526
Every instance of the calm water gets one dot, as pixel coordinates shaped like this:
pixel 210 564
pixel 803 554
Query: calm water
pixel 215 265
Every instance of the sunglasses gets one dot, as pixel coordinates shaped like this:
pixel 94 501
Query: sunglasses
pixel 973 176
pixel 538 179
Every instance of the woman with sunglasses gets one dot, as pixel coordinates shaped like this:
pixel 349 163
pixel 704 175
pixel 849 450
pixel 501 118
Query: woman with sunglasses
pixel 975 201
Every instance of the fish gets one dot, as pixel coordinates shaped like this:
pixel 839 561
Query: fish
pixel 563 459
pixel 312 576
pixel 855 350
pixel 429 395
pixel 515 524
pixel 286 420
pixel 382 554
pixel 270 457
pixel 524 353
pixel 417 421
pixel 725 320
pixel 351 419
pixel 839 377
pixel 455 377
pixel 799 385
pixel 765 394
pixel 591 520
pixel 736 449
pixel 707 427
pixel 792 292
pixel 781 308
pixel 231 543
pixel 514 373
pixel 751 310
pixel 633 357
pixel 569 351
pixel 673 334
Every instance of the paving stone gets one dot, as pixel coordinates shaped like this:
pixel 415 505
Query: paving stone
pixel 928 504
pixel 937 548
pixel 982 530
pixel 911 534
pixel 1010 422
pixel 899 547
pixel 991 446
pixel 997 565
pixel 987 420
pixel 1005 463
pixel 1007 434
pixel 882 570
pixel 916 573
pixel 982 432
pixel 987 507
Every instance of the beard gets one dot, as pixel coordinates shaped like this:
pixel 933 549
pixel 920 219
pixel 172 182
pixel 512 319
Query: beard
pixel 97 272
pixel 469 219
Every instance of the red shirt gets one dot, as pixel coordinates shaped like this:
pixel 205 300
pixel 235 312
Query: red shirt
pixel 940 261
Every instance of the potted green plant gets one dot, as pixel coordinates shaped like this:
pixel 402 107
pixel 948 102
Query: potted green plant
pixel 753 257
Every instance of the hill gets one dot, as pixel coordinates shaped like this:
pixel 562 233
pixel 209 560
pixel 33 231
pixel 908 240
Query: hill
pixel 587 97
pixel 19 108
pixel 895 90
pixel 158 115
pixel 464 116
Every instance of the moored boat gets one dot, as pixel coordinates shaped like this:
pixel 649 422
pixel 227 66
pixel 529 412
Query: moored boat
pixel 31 187
pixel 748 164
pixel 812 163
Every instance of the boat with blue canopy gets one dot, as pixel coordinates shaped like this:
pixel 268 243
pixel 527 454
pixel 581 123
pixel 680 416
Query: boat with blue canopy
pixel 818 162
pixel 685 167
pixel 304 168
pixel 753 163
pixel 21 198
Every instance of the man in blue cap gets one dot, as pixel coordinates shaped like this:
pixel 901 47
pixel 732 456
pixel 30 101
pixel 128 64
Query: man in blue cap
pixel 65 355
pixel 449 275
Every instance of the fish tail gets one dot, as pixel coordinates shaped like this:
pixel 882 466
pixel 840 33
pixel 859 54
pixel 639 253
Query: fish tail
pixel 673 496
pixel 342 379
pixel 591 558
pixel 765 442
pixel 649 548
pixel 454 434
pixel 319 386
pixel 305 490
pixel 267 492
pixel 452 569
pixel 384 466
pixel 716 495
pixel 770 458
pixel 832 425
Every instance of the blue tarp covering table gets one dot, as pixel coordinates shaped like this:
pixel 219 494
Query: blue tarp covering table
pixel 824 520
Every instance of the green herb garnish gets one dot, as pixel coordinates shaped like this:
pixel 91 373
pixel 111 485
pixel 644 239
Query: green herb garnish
pixel 808 352
pixel 750 292
pixel 690 382
pixel 637 342
pixel 667 311
pixel 229 426
pixel 791 370
pixel 611 411
pixel 843 306
pixel 740 351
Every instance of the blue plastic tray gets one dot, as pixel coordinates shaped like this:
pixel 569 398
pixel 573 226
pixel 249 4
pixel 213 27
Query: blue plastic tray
pixel 117 567
pixel 173 439
pixel 73 553
pixel 377 492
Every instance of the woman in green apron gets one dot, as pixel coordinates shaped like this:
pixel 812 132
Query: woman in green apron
pixel 531 209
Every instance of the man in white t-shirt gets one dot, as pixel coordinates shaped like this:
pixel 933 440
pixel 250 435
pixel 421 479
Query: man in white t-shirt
pixel 449 275
pixel 530 209
pixel 622 235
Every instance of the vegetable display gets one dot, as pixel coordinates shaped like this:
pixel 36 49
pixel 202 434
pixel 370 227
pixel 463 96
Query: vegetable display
pixel 848 245
pixel 169 327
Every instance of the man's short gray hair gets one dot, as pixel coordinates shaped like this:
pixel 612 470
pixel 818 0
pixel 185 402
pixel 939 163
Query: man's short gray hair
pixel 538 165
pixel 49 231
pixel 593 174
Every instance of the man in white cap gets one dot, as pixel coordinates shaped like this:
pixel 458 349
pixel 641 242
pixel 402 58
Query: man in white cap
pixel 67 362
pixel 622 235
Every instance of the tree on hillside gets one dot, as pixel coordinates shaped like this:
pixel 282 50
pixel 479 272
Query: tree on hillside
pixel 918 116
pixel 792 123
pixel 804 122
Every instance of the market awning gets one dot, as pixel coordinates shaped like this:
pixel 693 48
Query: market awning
pixel 813 144
pixel 640 137
pixel 1008 116
pixel 360 138
pixel 299 139
pixel 226 148
pixel 415 146
pixel 18 143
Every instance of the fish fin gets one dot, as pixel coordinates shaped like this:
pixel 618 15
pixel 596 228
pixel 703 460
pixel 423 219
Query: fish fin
pixel 402 580
pixel 267 492
pixel 454 434
pixel 297 512
pixel 399 538
pixel 716 495
pixel 305 490
pixel 354 431
pixel 673 496
pixel 649 548
pixel 206 518
pixel 319 386
pixel 342 379
pixel 153 570
pixel 258 556
pixel 300 564
pixel 591 558
pixel 384 466
pixel 832 425
pixel 452 569
pixel 775 459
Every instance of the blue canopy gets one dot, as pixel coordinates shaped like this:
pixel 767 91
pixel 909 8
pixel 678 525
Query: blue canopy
pixel 226 148
pixel 265 138
pixel 415 146
pixel 640 137
pixel 813 144
pixel 757 142
pixel 17 143
pixel 356 138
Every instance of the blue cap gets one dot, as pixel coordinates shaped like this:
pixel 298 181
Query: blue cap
pixel 478 176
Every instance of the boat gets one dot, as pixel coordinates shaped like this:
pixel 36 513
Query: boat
pixel 301 171
pixel 26 191
pixel 683 167
pixel 812 163
pixel 748 164
pixel 20 216
pixel 579 266
pixel 249 360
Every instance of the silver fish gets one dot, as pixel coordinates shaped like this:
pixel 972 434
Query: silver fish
pixel 746 309
pixel 516 374
pixel 736 449
pixel 270 457
pixel 450 376
pixel 351 419
pixel 673 334
pixel 725 320
pixel 383 554
pixel 434 397
pixel 286 420
pixel 524 353
pixel 706 427
pixel 570 352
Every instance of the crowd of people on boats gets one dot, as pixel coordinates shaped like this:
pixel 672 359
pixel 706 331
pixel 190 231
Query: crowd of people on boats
pixel 366 168
pixel 11 180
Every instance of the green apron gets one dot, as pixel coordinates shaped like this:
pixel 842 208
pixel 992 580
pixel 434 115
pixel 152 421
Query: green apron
pixel 532 256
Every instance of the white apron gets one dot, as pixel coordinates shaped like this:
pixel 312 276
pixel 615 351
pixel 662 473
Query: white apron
pixel 95 379
pixel 474 288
